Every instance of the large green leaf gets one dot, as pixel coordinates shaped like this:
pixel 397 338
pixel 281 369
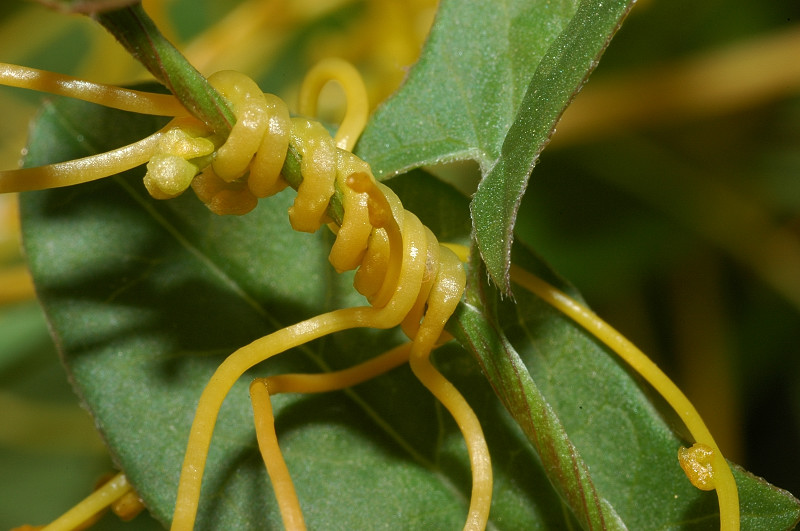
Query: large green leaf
pixel 490 85
pixel 146 298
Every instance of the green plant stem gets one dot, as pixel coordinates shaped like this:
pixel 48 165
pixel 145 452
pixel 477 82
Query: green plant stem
pixel 137 32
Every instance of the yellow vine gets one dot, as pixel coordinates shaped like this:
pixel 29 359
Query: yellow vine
pixel 407 277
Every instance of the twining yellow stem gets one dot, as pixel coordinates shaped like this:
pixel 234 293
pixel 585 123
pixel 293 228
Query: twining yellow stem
pixel 468 423
pixel 226 375
pixel 336 380
pixel 100 499
pixel 262 349
pixel 288 504
pixel 217 389
pixel 262 388
pixel 82 170
pixel 107 95
pixel 723 480
pixel 441 305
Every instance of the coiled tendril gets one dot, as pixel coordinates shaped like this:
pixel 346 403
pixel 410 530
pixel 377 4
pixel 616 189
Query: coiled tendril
pixel 408 278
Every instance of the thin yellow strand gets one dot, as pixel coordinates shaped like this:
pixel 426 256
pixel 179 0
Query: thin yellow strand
pixel 262 349
pixel 408 255
pixel 441 304
pixel 262 388
pixel 342 379
pixel 719 474
pixel 288 504
pixel 97 501
pixel 82 170
pixel 106 95
pixel 220 384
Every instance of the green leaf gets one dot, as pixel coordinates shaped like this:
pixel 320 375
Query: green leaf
pixel 609 445
pixel 491 84
pixel 146 298
pixel 476 326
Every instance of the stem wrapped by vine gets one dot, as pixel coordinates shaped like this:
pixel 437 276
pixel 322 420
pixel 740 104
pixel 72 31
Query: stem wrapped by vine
pixel 137 32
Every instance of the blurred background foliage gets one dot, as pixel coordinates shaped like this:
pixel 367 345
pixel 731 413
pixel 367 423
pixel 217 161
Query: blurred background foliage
pixel 670 196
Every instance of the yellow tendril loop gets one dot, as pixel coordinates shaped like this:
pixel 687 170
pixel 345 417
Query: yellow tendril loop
pixel 355 118
pixel 250 108
pixel 265 171
pixel 318 167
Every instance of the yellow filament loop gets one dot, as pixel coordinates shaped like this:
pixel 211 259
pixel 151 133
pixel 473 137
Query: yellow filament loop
pixel 348 77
